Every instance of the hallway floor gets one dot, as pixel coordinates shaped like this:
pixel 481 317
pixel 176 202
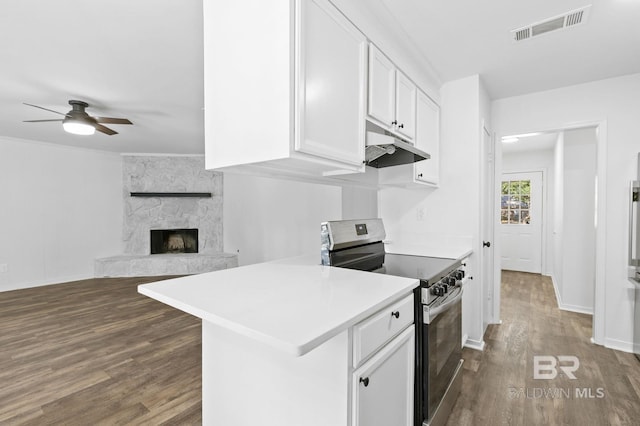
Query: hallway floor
pixel 499 386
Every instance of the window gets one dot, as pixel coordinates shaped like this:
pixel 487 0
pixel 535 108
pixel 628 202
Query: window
pixel 515 201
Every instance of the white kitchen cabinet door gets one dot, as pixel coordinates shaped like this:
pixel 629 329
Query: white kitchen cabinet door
pixel 288 97
pixel 383 386
pixel 332 75
pixel 428 139
pixel 381 94
pixel 405 106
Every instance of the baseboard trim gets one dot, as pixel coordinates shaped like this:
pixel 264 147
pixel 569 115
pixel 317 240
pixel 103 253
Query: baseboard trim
pixel 567 307
pixel 576 309
pixel 478 345
pixel 41 283
pixel 556 291
pixel 621 345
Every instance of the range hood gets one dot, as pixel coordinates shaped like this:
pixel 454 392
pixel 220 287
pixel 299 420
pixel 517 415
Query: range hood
pixel 385 151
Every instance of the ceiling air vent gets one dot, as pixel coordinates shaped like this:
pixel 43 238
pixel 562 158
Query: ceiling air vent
pixel 522 34
pixel 560 22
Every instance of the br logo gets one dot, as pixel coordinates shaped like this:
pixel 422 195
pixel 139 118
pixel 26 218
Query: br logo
pixel 546 366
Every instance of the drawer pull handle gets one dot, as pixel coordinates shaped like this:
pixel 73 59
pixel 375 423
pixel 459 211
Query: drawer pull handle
pixel 364 381
pixel 395 314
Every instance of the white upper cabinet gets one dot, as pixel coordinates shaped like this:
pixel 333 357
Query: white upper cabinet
pixel 405 106
pixel 391 96
pixel 382 90
pixel 285 88
pixel 428 139
pixel 331 85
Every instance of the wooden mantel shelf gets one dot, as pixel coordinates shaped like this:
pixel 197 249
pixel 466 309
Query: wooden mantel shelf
pixel 172 194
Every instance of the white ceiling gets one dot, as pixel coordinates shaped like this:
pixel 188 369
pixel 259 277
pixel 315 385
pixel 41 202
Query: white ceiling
pixel 473 37
pixel 143 60
pixel 139 59
pixel 540 142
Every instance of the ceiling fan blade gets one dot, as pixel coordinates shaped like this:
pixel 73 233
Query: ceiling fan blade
pixel 105 130
pixel 46 109
pixel 110 120
pixel 41 121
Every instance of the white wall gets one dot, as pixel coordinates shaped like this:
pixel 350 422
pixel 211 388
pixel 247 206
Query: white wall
pixel 615 103
pixel 533 161
pixel 61 209
pixel 450 212
pixel 359 203
pixel 579 242
pixel 266 219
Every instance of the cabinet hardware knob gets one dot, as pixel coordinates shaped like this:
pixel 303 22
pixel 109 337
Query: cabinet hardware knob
pixel 464 264
pixel 420 175
pixel 394 122
pixel 364 381
pixel 395 314
pixel 486 244
pixel 401 126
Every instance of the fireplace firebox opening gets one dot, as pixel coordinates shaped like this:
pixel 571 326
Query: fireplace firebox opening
pixel 174 241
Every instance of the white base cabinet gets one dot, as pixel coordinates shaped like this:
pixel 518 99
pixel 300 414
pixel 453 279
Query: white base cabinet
pixel 284 87
pixel 246 383
pixel 383 386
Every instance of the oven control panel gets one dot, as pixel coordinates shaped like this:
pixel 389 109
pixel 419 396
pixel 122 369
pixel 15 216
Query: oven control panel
pixel 442 287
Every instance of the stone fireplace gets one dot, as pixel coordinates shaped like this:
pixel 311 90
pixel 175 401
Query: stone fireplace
pixel 172 223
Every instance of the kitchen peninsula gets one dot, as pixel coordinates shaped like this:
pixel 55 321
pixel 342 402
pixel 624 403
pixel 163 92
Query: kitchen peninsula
pixel 287 342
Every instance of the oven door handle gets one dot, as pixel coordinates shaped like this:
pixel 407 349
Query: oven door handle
pixel 430 314
pixel 634 224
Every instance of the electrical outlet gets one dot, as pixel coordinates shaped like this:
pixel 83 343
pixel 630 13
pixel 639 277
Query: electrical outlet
pixel 420 214
pixel 3 268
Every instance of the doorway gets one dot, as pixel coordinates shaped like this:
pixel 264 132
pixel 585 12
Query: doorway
pixel 521 220
pixel 565 209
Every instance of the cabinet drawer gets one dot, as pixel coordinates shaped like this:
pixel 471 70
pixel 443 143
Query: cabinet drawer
pixel 372 333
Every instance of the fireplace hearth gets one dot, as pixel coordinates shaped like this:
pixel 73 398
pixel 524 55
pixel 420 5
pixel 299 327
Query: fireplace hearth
pixel 174 241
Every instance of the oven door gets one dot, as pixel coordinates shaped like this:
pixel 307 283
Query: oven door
pixel 442 350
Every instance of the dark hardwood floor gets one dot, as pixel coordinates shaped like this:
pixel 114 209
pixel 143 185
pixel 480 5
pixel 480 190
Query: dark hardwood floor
pixel 97 352
pixel 499 386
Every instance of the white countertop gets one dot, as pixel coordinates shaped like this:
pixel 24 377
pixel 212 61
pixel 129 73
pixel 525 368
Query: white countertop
pixel 294 305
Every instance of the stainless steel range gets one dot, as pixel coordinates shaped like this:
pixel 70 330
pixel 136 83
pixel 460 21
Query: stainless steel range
pixel 357 244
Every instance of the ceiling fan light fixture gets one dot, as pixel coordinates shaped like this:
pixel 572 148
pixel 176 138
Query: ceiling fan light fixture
pixel 78 127
pixel 78 122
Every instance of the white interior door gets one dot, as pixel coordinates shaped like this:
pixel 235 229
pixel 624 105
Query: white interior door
pixel 521 221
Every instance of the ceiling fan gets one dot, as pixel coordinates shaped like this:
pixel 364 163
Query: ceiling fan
pixel 78 122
